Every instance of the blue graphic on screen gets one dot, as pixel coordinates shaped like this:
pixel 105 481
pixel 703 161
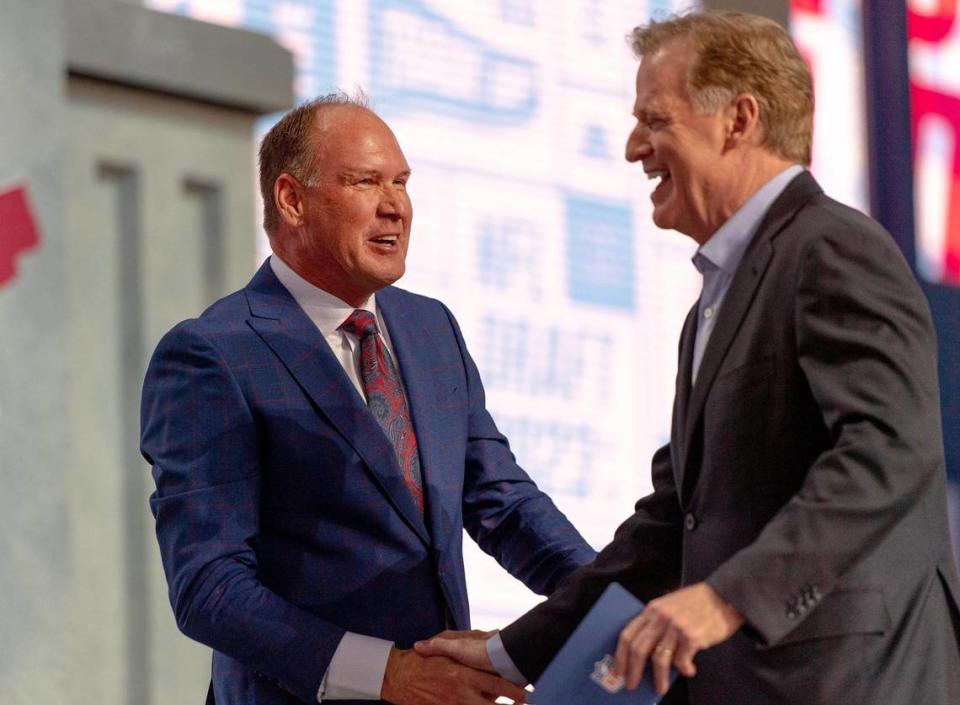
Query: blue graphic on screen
pixel 518 12
pixel 507 256
pixel 545 360
pixel 596 142
pixel 548 445
pixel 661 8
pixel 600 268
pixel 260 16
pixel 427 61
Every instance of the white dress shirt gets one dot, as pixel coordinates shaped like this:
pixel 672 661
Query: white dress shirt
pixel 357 667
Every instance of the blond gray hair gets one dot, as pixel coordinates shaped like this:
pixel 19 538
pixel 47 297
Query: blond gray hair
pixel 738 53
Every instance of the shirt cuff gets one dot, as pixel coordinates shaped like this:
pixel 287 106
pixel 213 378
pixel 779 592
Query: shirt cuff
pixel 502 662
pixel 356 669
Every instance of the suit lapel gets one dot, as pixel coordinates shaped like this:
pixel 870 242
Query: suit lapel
pixel 293 337
pixel 737 302
pixel 682 394
pixel 413 343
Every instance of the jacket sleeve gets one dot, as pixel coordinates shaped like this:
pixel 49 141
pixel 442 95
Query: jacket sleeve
pixel 644 557
pixel 199 435
pixel 503 510
pixel 866 346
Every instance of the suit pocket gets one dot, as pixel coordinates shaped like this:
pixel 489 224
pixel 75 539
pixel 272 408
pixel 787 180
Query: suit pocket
pixel 757 367
pixel 842 612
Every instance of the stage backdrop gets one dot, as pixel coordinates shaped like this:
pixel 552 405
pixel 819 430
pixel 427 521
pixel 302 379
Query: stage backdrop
pixel 531 226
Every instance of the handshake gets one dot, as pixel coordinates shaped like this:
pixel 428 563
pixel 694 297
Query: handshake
pixel 452 668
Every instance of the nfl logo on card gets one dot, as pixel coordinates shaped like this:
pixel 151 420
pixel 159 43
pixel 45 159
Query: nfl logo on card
pixel 603 675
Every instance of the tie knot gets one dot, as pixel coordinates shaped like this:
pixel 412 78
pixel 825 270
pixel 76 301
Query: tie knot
pixel 360 323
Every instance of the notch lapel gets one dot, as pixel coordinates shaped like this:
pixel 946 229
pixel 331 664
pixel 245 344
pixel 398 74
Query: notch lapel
pixel 735 305
pixel 681 399
pixel 292 336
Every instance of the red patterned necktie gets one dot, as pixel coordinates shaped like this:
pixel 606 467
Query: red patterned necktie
pixel 385 398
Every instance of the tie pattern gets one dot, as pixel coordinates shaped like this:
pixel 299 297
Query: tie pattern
pixel 385 398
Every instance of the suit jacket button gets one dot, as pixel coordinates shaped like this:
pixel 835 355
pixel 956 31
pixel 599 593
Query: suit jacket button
pixel 690 522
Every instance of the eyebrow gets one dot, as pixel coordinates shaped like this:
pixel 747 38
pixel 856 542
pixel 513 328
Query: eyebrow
pixel 647 114
pixel 371 172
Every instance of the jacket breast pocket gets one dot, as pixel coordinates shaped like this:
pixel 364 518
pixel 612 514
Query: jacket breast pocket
pixel 757 370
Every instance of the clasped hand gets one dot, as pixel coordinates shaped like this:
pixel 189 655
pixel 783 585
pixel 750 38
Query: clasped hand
pixel 415 678
pixel 669 633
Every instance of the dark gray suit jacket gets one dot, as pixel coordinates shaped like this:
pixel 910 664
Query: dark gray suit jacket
pixel 804 481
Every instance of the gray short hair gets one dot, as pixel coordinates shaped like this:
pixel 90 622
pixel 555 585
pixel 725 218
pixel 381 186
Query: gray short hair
pixel 286 147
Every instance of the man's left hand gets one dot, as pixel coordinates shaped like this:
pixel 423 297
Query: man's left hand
pixel 670 632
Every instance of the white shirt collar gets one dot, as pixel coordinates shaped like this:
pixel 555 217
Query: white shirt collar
pixel 323 308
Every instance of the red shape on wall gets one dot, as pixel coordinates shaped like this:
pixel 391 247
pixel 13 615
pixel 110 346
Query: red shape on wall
pixel 935 27
pixel 814 7
pixel 927 103
pixel 18 231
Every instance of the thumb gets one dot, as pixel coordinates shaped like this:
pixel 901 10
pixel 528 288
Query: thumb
pixel 469 652
pixel 437 646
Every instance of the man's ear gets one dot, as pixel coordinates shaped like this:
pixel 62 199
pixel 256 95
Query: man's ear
pixel 288 196
pixel 743 121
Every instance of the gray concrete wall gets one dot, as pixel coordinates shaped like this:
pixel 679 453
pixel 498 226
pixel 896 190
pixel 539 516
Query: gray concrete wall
pixel 35 562
pixel 139 171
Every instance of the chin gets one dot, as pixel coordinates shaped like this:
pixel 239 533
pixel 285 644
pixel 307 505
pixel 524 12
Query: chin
pixel 388 278
pixel 663 221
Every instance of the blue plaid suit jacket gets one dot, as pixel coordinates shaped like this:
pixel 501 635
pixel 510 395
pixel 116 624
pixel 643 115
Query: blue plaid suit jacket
pixel 281 512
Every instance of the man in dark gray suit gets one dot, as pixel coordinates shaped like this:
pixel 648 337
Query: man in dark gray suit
pixel 795 547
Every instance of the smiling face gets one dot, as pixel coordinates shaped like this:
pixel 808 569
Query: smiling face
pixel 681 148
pixel 349 226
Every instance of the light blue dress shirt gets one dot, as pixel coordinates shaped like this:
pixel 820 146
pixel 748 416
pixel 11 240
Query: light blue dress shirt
pixel 717 260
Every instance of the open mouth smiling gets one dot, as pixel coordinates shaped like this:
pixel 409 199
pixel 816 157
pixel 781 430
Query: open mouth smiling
pixel 387 240
pixel 663 175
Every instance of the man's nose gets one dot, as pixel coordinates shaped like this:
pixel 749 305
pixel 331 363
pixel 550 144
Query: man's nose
pixel 638 146
pixel 393 202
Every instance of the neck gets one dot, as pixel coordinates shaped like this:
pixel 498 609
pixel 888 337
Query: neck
pixel 746 177
pixel 317 275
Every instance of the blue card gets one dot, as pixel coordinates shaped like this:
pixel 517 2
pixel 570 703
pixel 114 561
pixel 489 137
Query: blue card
pixel 581 671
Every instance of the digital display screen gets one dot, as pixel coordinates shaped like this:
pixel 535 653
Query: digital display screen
pixel 933 36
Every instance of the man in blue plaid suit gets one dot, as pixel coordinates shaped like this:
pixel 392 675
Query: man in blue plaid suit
pixel 293 543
